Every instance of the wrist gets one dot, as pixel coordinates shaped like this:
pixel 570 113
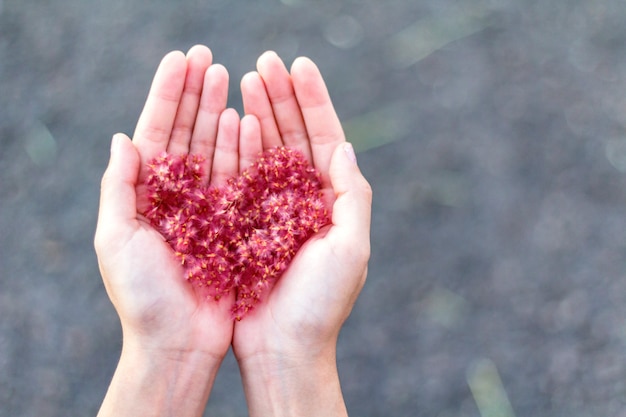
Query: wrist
pixel 156 382
pixel 288 385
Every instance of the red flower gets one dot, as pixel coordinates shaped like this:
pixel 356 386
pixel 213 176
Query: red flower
pixel 244 234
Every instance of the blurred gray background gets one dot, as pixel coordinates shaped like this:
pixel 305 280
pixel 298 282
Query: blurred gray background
pixel 492 131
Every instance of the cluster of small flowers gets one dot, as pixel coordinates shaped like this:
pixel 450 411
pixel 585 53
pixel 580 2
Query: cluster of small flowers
pixel 240 236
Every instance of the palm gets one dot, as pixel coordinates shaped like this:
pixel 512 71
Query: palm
pixel 299 308
pixel 156 300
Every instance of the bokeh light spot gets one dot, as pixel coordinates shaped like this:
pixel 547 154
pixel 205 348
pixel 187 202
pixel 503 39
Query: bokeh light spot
pixel 615 151
pixel 344 32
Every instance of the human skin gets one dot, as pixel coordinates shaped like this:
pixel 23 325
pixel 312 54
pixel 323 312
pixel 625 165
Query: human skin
pixel 286 347
pixel 173 339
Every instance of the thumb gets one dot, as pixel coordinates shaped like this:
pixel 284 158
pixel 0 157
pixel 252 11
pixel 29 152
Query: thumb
pixel 351 214
pixel 118 201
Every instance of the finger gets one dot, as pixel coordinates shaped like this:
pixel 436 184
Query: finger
pixel 226 157
pixel 250 143
pixel 351 213
pixel 212 104
pixel 118 203
pixel 154 127
pixel 199 58
pixel 322 123
pixel 257 103
pixel 284 103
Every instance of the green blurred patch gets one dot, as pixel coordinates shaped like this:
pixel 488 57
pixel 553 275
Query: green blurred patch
pixel 488 391
pixel 432 33
pixel 446 188
pixel 40 144
pixel 407 47
pixel 445 307
pixel 379 127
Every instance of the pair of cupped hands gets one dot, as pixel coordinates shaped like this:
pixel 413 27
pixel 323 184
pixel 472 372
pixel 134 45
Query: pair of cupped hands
pixel 167 325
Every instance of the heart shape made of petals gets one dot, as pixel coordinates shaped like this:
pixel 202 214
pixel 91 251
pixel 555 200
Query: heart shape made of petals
pixel 240 236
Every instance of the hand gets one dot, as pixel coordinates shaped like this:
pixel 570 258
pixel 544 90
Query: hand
pixel 168 327
pixel 286 345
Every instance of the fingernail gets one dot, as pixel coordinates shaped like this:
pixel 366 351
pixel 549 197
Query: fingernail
pixel 115 142
pixel 349 149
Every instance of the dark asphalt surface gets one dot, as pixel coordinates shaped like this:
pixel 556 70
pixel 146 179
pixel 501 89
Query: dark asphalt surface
pixel 493 133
